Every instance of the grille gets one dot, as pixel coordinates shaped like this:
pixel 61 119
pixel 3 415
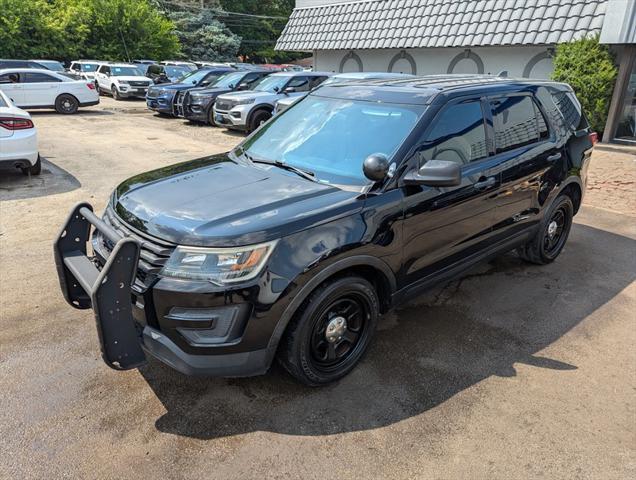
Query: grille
pixel 153 253
pixel 223 105
pixel 139 83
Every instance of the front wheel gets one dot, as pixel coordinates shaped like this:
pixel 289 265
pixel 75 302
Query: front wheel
pixel 258 119
pixel 331 332
pixel 115 93
pixel 549 241
pixel 66 104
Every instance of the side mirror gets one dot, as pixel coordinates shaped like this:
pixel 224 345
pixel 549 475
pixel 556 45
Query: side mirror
pixel 289 90
pixel 436 173
pixel 243 86
pixel 376 167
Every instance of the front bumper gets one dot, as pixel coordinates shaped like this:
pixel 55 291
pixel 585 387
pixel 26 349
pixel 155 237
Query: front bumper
pixel 161 104
pixel 134 321
pixel 132 92
pixel 234 118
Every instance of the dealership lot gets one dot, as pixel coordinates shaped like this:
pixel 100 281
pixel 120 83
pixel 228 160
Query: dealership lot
pixel 511 371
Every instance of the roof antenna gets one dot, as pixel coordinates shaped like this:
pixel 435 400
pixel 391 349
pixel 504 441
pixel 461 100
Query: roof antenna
pixel 503 74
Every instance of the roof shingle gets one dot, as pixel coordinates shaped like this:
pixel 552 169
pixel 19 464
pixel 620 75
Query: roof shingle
pixel 440 23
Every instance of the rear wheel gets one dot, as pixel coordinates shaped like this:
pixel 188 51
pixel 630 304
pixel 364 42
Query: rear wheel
pixel 331 332
pixel 66 104
pixel 259 118
pixel 549 241
pixel 34 169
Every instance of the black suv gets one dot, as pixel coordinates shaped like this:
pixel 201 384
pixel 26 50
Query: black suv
pixel 196 104
pixel 354 199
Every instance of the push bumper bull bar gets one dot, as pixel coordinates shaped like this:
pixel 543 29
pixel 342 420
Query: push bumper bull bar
pixel 106 291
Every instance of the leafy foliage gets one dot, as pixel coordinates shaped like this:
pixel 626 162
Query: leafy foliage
pixel 71 29
pixel 202 35
pixel 590 69
pixel 259 34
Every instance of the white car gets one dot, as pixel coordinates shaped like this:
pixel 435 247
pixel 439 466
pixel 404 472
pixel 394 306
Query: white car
pixel 38 88
pixel 84 69
pixel 18 139
pixel 122 80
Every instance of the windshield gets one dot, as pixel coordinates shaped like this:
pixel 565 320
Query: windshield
pixel 126 72
pixel 194 77
pixel 230 79
pixel 273 83
pixel 88 67
pixel 52 65
pixel 176 72
pixel 332 137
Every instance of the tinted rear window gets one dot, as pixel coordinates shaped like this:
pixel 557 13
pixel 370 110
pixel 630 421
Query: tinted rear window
pixel 570 109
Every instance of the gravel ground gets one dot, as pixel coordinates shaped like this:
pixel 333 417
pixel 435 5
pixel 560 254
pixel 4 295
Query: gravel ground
pixel 512 371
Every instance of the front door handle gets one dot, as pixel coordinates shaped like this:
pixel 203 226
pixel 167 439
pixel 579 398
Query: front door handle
pixel 554 158
pixel 485 184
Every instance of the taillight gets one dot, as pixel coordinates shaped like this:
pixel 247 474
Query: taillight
pixel 91 85
pixel 16 123
pixel 594 138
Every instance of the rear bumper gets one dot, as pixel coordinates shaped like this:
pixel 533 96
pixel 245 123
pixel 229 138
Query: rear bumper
pixel 89 104
pixel 22 146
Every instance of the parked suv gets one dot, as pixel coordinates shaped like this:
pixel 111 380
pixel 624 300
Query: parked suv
pixel 196 104
pixel 248 110
pixel 293 244
pixel 122 80
pixel 84 69
pixel 166 73
pixel 160 98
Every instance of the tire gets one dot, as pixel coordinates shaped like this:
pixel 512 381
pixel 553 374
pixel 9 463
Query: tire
pixel 211 117
pixel 260 117
pixel 34 169
pixel 66 104
pixel 549 241
pixel 115 93
pixel 317 347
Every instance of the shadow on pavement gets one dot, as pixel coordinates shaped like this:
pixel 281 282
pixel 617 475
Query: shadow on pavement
pixel 80 113
pixel 14 185
pixel 498 315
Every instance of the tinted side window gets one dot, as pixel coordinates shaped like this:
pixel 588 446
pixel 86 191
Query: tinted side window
pixel 250 78
pixel 515 122
pixel 301 84
pixel 571 110
pixel 37 77
pixel 315 81
pixel 458 135
pixel 76 67
pixel 10 78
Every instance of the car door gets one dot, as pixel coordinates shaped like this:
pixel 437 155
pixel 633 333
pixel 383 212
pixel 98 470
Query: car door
pixel 11 86
pixel 527 154
pixel 39 89
pixel 444 226
pixel 101 76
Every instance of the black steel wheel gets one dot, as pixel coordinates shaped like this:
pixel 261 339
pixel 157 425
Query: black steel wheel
pixel 331 332
pixel 549 241
pixel 66 104
pixel 258 119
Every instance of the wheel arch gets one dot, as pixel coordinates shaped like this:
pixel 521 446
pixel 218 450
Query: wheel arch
pixel 574 190
pixel 263 107
pixel 366 266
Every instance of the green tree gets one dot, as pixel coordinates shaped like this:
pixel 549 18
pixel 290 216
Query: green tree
pixel 590 69
pixel 70 29
pixel 259 23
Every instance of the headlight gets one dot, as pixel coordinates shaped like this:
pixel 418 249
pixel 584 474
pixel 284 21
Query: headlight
pixel 197 98
pixel 244 101
pixel 218 265
pixel 122 82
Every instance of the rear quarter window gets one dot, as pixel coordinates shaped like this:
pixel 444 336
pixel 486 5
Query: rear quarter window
pixel 570 109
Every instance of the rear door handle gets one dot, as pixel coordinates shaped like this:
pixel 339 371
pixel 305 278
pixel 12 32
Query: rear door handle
pixel 485 184
pixel 554 158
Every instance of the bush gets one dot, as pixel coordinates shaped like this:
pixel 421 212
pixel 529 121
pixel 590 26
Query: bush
pixel 590 69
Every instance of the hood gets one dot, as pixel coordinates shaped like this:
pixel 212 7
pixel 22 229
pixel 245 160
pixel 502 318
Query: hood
pixel 247 94
pixel 209 92
pixel 177 86
pixel 133 78
pixel 215 201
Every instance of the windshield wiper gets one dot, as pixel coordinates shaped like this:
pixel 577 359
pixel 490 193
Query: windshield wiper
pixel 277 163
